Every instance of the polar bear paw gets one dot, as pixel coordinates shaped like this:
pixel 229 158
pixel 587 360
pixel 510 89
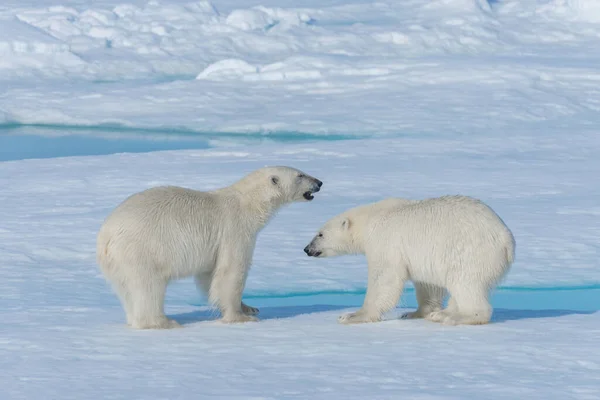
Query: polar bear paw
pixel 238 318
pixel 420 313
pixel 450 318
pixel 357 317
pixel 444 317
pixel 163 323
pixel 438 316
pixel 423 312
pixel 248 310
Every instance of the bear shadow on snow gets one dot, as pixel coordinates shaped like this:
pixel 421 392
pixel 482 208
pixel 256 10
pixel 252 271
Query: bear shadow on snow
pixel 266 313
pixel 504 314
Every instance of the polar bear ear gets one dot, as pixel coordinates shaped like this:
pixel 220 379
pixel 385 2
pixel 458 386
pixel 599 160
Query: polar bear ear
pixel 274 180
pixel 345 224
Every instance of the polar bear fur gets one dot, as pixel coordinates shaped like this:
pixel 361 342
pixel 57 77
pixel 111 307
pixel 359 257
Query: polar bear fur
pixel 167 233
pixel 453 244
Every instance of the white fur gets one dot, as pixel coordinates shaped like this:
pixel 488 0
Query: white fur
pixel 451 243
pixel 167 233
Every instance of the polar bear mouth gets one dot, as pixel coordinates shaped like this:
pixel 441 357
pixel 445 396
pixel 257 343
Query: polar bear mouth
pixel 308 196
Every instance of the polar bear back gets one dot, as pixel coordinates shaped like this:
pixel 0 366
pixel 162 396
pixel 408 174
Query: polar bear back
pixel 449 237
pixel 170 228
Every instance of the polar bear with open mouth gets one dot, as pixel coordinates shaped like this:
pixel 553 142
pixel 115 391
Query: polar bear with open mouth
pixel 167 233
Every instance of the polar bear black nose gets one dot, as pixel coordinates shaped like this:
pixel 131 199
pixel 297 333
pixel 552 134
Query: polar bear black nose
pixel 306 250
pixel 319 183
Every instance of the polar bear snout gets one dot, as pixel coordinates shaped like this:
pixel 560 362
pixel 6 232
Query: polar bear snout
pixel 311 252
pixel 313 249
pixel 315 187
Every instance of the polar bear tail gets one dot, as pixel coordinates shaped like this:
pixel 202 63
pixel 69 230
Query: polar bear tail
pixel 509 248
pixel 103 240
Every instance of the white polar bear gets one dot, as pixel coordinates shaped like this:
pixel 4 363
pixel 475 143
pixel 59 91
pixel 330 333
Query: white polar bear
pixel 452 243
pixel 167 233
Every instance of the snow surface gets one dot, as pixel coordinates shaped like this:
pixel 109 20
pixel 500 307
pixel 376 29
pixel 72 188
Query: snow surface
pixel 495 99
pixel 377 68
pixel 540 187
pixel 63 333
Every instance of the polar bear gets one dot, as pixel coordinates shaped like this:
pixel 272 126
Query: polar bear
pixel 450 243
pixel 166 233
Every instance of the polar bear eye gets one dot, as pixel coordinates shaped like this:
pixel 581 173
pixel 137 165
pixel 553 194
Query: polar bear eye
pixel 301 176
pixel 320 235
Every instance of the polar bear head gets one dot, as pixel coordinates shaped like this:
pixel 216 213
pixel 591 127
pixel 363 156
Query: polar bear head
pixel 292 184
pixel 280 185
pixel 345 233
pixel 335 238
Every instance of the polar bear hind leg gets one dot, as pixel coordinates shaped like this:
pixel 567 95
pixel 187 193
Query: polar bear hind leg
pixel 441 315
pixel 147 297
pixel 429 300
pixel 125 297
pixel 468 305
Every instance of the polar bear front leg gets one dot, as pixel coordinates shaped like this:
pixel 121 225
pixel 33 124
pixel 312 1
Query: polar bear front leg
pixel 227 286
pixel 384 288
pixel 204 282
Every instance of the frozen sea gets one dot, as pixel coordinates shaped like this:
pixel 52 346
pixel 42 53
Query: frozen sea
pixel 498 100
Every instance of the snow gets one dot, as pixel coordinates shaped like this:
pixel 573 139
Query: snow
pixel 64 334
pixel 535 184
pixel 340 66
pixel 494 99
pixel 293 355
pixel 24 46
